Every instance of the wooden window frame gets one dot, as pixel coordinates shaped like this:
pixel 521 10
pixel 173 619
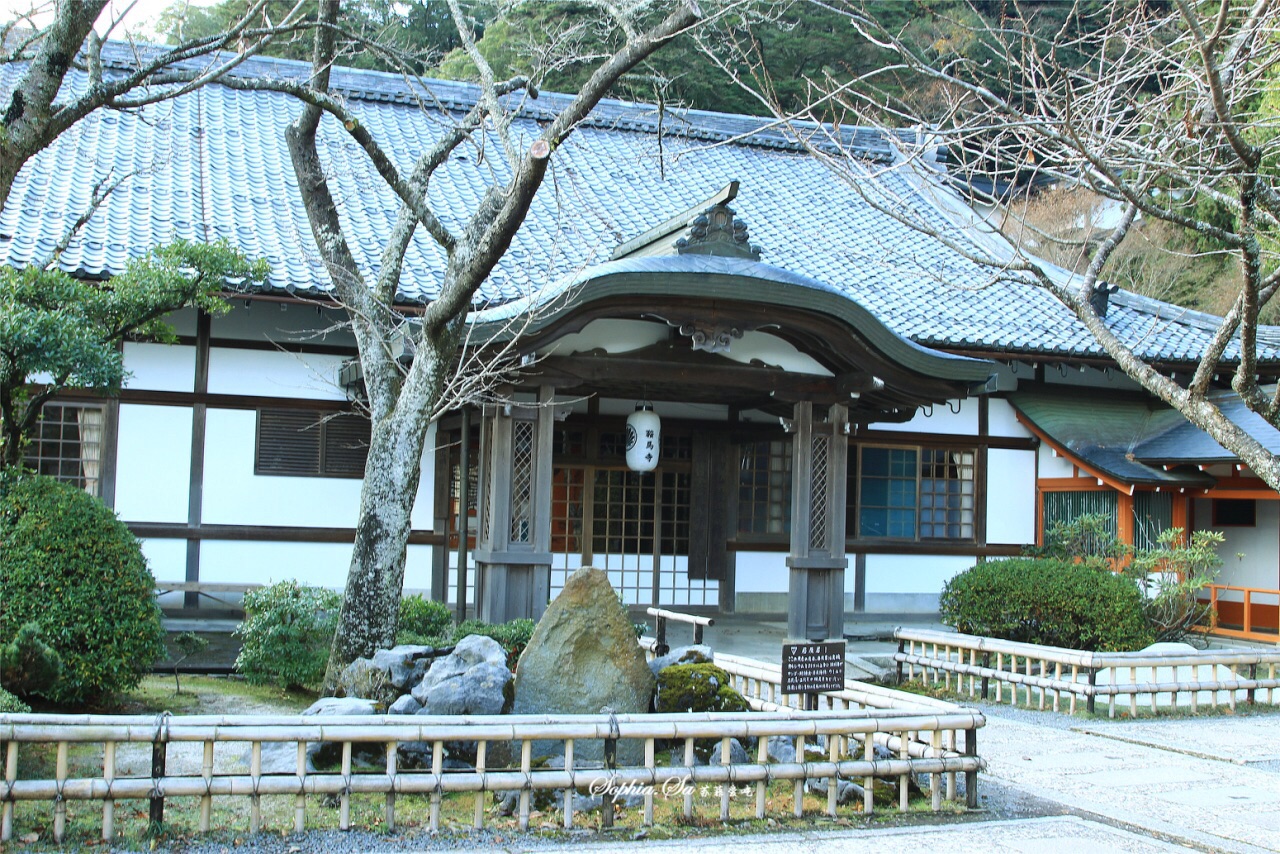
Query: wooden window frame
pixel 37 458
pixel 1218 502
pixel 855 497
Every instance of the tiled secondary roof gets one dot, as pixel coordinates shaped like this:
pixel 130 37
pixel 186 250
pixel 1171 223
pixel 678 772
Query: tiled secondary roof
pixel 1133 439
pixel 213 165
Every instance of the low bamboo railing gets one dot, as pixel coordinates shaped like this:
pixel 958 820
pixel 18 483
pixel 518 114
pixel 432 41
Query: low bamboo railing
pixel 922 738
pixel 1042 676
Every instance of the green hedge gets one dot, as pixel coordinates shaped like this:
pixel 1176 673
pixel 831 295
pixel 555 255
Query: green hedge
pixel 287 634
pixel 70 566
pixel 1050 602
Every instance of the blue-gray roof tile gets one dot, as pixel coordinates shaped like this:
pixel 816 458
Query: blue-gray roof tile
pixel 213 164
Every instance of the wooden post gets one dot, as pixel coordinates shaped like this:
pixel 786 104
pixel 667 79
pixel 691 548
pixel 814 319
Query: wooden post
pixel 971 777
pixel 158 762
pixel 986 679
pixel 902 645
pixel 60 803
pixel 10 777
pixel 300 805
pixel 108 805
pixel 391 792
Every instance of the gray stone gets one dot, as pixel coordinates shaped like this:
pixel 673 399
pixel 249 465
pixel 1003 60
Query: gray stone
pixel 583 658
pixel 401 662
pixel 342 706
pixel 365 679
pixel 405 705
pixel 326 754
pixel 846 792
pixel 737 753
pixel 470 651
pixel 481 690
pixel 696 654
pixel 782 748
pixel 281 757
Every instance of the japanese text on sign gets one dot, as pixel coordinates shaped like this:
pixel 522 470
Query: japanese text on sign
pixel 808 668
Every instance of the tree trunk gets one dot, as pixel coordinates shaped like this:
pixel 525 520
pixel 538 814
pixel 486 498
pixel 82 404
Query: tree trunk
pixel 375 580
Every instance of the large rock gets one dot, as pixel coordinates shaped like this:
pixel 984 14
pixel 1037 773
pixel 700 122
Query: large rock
pixel 583 658
pixel 469 652
pixel 404 664
pixel 699 654
pixel 327 754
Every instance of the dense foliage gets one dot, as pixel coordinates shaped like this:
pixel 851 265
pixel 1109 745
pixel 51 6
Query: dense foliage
pixel 286 634
pixel 1048 601
pixel 70 566
pixel 424 621
pixel 10 703
pixel 28 665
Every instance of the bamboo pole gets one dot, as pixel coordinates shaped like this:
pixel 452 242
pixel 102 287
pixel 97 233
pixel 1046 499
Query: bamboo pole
pixel 526 766
pixel 903 794
pixel 60 803
pixel 688 764
pixel 300 803
pixel 10 776
pixel 390 809
pixel 206 800
pixel 725 759
pixel 482 757
pixel 833 783
pixel 344 801
pixel 650 762
pixel 437 771
pixel 869 781
pixel 255 800
pixel 950 742
pixel 798 808
pixel 762 758
pixel 108 804
pixel 935 782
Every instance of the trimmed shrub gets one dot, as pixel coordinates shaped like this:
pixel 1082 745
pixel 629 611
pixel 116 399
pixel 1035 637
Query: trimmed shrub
pixel 424 621
pixel 10 703
pixel 28 665
pixel 1049 602
pixel 287 633
pixel 68 564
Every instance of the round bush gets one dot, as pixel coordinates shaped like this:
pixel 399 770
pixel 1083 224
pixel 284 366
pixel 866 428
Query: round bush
pixel 287 634
pixel 424 621
pixel 1049 602
pixel 10 703
pixel 70 566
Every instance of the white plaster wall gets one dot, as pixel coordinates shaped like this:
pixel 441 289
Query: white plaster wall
pixel 911 573
pixel 261 321
pixel 160 367
pixel 1259 545
pixel 417 569
pixel 1003 421
pixel 253 562
pixel 1052 465
pixel 153 463
pixel 763 572
pixel 234 495
pixel 166 558
pixel 1011 496
pixel 941 420
pixel 271 373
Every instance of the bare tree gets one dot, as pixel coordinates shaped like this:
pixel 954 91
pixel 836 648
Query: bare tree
pixel 1163 109
pixel 403 401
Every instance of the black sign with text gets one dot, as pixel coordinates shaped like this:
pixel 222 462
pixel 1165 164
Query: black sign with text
pixel 808 668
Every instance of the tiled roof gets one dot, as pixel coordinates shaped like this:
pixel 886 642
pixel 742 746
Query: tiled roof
pixel 1133 439
pixel 213 164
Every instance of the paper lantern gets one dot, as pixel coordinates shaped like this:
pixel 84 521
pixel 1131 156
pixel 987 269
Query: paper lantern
pixel 644 435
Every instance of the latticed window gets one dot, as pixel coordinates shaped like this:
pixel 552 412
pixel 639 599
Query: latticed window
pixel 307 443
pixel 1066 507
pixel 764 488
pixel 912 493
pixel 67 444
pixel 1152 515
pixel 946 494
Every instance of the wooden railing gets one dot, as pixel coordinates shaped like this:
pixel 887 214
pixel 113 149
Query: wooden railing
pixel 662 615
pixel 1250 613
pixel 1043 676
pixel 920 733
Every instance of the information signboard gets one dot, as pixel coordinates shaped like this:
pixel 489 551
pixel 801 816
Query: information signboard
pixel 809 668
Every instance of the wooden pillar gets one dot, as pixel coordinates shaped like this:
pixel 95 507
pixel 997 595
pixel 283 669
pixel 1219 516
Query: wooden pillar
pixel 815 605
pixel 513 548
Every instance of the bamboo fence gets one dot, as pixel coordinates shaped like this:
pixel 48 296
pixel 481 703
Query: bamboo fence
pixel 1052 677
pixel 920 735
